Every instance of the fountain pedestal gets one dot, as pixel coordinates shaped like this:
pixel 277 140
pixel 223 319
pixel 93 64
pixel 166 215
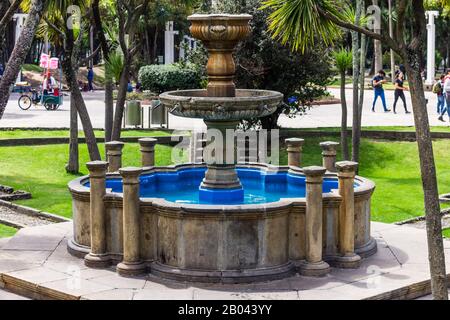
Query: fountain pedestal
pixel 221 182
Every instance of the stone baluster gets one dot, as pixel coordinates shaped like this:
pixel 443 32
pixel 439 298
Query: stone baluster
pixel 97 257
pixel 314 265
pixel 346 174
pixel 131 264
pixel 329 151
pixel 148 151
pixel 114 154
pixel 294 149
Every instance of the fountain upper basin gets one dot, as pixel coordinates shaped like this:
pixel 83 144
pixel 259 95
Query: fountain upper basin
pixel 246 104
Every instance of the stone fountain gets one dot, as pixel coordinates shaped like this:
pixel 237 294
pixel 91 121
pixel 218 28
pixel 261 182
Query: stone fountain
pixel 222 222
pixel 221 105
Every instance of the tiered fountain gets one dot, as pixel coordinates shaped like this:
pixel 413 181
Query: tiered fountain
pixel 222 222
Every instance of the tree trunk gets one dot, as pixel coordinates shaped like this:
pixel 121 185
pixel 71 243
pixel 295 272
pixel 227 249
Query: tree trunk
pixel 73 166
pixel 121 98
pixel 109 100
pixel 6 13
pixel 77 98
pixel 362 74
pixel 155 45
pixel 109 108
pixel 20 52
pixel 357 71
pixel 378 51
pixel 344 141
pixel 429 180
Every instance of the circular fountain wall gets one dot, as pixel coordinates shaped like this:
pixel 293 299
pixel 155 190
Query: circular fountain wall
pixel 262 240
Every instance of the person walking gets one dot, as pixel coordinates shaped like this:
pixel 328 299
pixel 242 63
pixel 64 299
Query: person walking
pixel 377 83
pixel 447 95
pixel 400 91
pixel 90 77
pixel 438 89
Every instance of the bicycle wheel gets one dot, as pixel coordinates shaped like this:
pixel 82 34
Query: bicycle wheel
pixel 25 102
pixel 48 106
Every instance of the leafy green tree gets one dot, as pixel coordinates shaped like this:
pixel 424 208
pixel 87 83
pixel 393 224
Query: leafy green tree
pixel 262 63
pixel 20 51
pixel 343 60
pixel 292 19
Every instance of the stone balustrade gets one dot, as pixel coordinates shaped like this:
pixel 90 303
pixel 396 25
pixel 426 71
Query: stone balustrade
pixel 114 155
pixel 147 147
pixel 307 235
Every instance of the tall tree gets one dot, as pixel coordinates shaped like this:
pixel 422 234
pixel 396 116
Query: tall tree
pixel 356 133
pixel 131 11
pixel 377 45
pixel 289 21
pixel 7 11
pixel 68 30
pixel 343 61
pixel 109 86
pixel 20 52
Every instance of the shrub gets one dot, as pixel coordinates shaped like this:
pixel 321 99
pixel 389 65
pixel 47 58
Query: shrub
pixel 161 78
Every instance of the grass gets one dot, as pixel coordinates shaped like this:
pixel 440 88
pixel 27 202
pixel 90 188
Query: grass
pixel 6 232
pixel 16 134
pixel 377 128
pixel 446 233
pixel 393 166
pixel 32 68
pixel 40 170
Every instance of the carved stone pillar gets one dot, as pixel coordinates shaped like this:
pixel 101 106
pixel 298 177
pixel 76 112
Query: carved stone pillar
pixel 148 151
pixel 329 151
pixel 97 257
pixel 294 149
pixel 114 154
pixel 346 174
pixel 131 264
pixel 314 265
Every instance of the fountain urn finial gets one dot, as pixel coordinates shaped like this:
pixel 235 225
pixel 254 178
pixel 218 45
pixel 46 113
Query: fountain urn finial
pixel 220 33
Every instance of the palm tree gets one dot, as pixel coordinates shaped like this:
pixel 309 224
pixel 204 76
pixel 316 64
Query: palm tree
pixel 56 18
pixel 343 61
pixel 297 22
pixel 20 51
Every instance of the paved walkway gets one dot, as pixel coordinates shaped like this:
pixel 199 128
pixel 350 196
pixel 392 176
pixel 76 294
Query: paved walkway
pixel 318 116
pixel 4 294
pixel 36 260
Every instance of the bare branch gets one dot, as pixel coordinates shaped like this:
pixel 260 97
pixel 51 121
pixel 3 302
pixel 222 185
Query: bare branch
pixel 54 27
pixel 385 38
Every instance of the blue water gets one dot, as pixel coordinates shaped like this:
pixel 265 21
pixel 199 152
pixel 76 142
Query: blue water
pixel 259 187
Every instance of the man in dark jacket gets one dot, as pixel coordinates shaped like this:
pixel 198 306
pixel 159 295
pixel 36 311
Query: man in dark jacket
pixel 90 77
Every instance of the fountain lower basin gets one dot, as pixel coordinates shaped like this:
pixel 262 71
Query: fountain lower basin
pixel 247 242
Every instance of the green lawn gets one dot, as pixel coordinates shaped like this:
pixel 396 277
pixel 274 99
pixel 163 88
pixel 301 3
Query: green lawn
pixel 6 232
pixel 377 128
pixel 446 233
pixel 40 170
pixel 393 166
pixel 16 134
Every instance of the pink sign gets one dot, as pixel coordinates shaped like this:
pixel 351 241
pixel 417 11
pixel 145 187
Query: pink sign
pixel 54 63
pixel 44 60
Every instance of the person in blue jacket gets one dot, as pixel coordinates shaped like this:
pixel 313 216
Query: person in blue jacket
pixel 377 83
pixel 90 78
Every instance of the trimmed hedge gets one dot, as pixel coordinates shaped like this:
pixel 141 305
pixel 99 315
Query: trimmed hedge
pixel 161 78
